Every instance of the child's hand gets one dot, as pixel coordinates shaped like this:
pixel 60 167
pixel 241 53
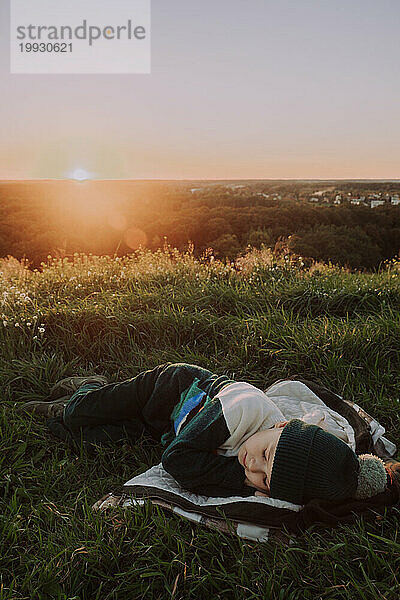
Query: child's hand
pixel 257 493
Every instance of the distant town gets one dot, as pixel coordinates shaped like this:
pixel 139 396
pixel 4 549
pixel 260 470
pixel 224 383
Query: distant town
pixel 373 200
pixel 330 195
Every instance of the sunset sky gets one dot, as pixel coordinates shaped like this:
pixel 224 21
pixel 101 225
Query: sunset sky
pixel 258 89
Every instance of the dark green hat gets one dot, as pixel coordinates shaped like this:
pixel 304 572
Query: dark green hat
pixel 311 463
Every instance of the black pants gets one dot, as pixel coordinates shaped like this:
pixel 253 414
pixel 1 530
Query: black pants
pixel 97 414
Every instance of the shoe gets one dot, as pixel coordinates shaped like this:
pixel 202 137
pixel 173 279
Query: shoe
pixel 45 409
pixel 69 385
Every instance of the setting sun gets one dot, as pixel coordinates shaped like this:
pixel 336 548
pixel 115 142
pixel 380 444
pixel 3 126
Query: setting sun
pixel 80 175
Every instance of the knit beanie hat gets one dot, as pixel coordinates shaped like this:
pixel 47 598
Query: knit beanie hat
pixel 311 463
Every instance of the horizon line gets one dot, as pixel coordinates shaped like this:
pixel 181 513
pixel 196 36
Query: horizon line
pixel 149 179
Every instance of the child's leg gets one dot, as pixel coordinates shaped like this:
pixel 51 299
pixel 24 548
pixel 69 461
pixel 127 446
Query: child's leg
pixel 95 404
pixel 108 434
pixel 98 413
pixel 88 418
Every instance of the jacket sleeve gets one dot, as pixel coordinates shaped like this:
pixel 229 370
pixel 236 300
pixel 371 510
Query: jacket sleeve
pixel 191 459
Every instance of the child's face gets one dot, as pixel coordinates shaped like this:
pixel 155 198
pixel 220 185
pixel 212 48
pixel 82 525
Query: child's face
pixel 256 455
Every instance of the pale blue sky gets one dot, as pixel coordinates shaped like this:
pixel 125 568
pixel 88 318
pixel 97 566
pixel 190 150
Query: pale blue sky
pixel 238 89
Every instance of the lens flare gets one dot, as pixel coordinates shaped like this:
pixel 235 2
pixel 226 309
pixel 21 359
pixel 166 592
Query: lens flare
pixel 135 237
pixel 117 221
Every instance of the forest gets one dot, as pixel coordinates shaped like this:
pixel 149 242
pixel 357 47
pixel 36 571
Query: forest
pixel 60 218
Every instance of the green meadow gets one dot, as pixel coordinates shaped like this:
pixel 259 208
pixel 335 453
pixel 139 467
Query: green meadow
pixel 258 319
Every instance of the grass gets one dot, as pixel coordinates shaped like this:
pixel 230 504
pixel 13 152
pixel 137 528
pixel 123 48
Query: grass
pixel 259 319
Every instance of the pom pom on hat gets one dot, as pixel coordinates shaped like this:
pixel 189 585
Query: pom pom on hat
pixel 372 476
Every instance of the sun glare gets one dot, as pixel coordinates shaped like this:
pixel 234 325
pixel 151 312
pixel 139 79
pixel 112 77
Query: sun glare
pixel 92 212
pixel 80 175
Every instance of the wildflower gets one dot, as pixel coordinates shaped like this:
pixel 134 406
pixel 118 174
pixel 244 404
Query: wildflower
pixel 16 324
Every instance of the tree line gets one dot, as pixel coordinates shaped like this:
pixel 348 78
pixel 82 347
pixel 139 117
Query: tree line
pixel 44 218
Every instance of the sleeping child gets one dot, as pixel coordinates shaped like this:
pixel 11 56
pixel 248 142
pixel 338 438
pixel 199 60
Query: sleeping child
pixel 220 437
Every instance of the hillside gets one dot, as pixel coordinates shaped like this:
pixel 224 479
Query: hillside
pixel 258 319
